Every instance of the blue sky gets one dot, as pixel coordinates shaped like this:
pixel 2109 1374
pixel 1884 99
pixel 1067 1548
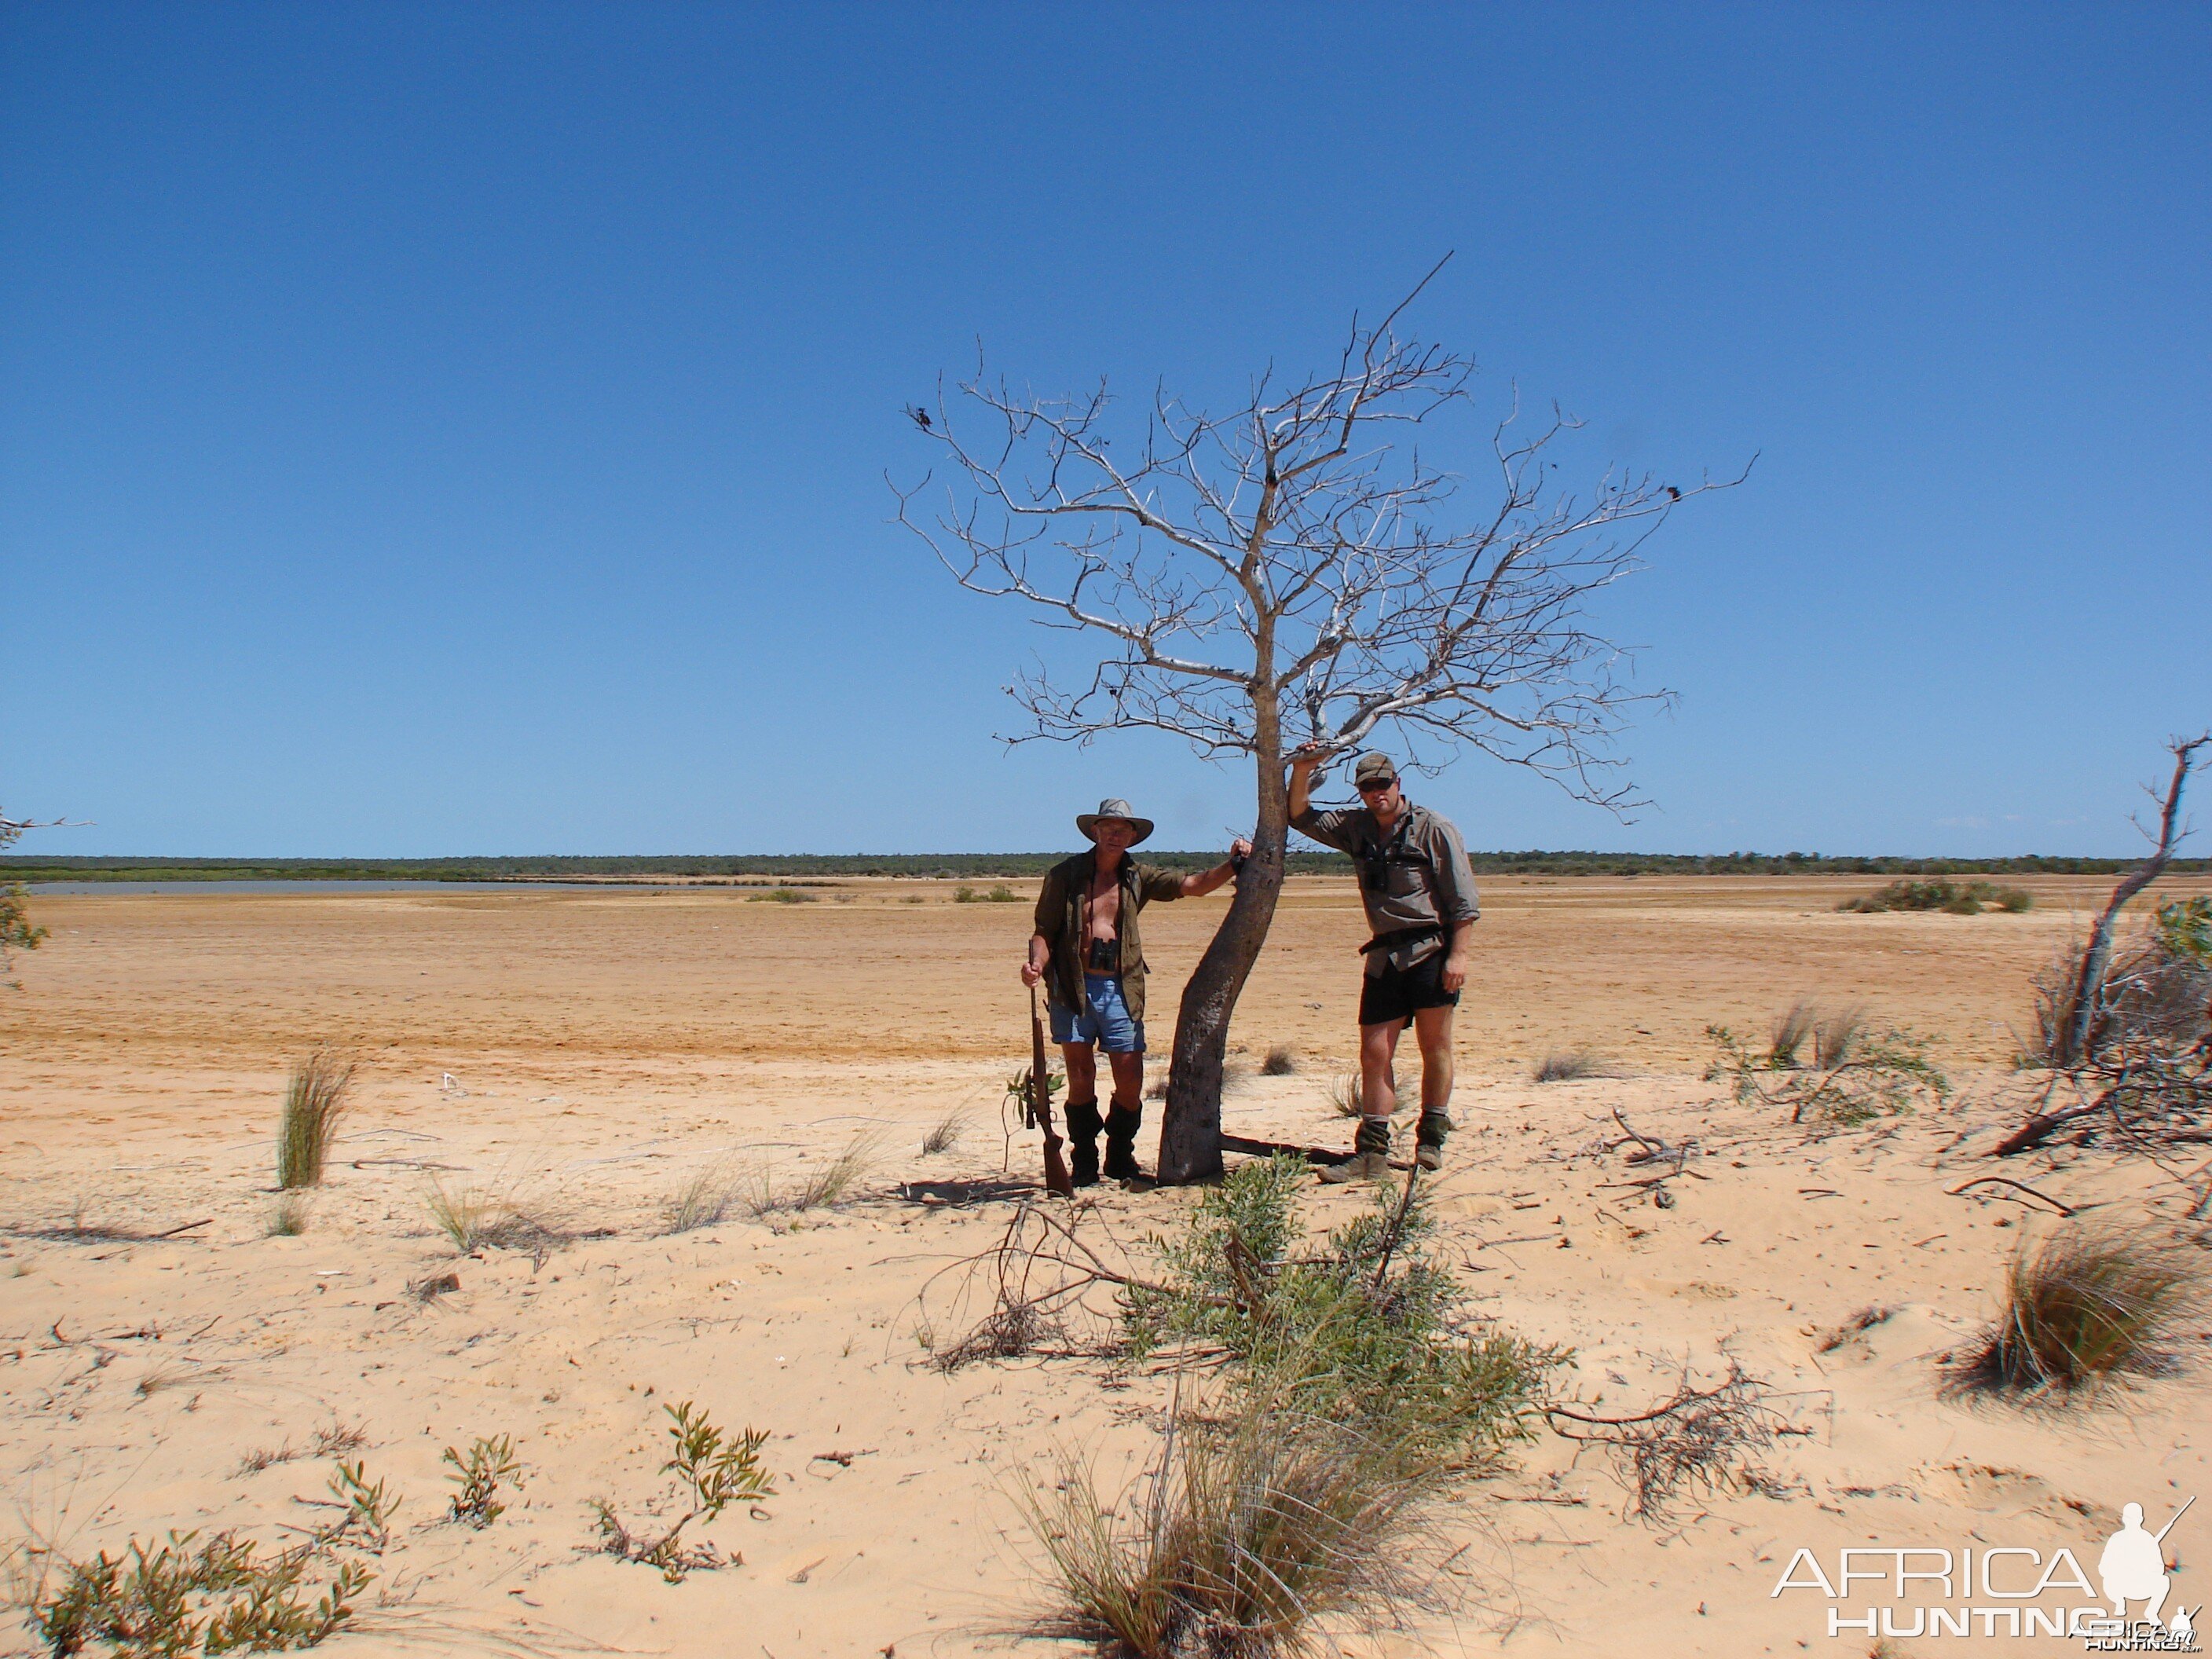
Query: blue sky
pixel 463 428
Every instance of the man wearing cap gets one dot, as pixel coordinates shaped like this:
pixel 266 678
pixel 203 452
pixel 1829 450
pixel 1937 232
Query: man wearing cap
pixel 1420 896
pixel 1087 952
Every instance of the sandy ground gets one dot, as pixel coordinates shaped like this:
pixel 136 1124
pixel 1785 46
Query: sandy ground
pixel 587 1054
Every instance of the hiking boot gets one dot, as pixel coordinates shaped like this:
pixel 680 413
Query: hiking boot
pixel 1370 1155
pixel 1083 1142
pixel 1122 1123
pixel 1429 1141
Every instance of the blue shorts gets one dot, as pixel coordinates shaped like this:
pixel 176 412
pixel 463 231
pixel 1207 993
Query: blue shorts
pixel 1106 1022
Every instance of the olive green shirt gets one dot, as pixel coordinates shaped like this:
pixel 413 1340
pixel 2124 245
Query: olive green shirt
pixel 1059 920
pixel 1437 890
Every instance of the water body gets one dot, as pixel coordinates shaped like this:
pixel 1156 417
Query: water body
pixel 334 884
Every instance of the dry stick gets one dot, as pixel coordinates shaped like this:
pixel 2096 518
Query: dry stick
pixel 1397 1223
pixel 2020 1186
pixel 2089 985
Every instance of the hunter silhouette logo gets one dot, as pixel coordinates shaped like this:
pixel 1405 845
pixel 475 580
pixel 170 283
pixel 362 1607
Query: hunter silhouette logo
pixel 2001 1591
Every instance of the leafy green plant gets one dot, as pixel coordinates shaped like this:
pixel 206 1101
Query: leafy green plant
pixel 477 1478
pixel 2182 928
pixel 181 1597
pixel 715 1472
pixel 313 1102
pixel 1878 1074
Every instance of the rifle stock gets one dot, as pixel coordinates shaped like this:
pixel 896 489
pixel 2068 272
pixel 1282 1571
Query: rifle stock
pixel 1056 1177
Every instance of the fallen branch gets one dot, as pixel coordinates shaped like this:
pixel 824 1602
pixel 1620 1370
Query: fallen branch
pixel 2018 1186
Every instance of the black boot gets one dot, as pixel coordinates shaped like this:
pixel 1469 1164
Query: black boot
pixel 1083 1142
pixel 1122 1123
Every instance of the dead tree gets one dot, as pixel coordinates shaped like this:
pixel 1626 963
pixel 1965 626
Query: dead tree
pixel 2077 1033
pixel 1281 572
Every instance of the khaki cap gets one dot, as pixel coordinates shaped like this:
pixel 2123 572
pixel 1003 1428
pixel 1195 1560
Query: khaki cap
pixel 1373 769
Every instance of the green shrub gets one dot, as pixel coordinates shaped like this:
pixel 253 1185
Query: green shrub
pixel 783 896
pixel 1863 1075
pixel 714 1471
pixel 1952 898
pixel 476 1478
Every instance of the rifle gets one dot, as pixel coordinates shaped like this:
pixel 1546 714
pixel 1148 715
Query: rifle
pixel 1056 1178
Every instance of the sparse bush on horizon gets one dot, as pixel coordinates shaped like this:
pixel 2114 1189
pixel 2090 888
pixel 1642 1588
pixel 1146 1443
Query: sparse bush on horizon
pixel 1000 894
pixel 1952 898
pixel 314 1101
pixel 2084 1306
pixel 784 896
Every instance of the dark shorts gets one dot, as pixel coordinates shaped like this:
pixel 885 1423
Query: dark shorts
pixel 1387 998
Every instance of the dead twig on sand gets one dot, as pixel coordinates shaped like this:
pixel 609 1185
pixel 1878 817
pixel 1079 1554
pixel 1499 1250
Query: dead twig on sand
pixel 1046 1286
pixel 1697 1439
pixel 2018 1186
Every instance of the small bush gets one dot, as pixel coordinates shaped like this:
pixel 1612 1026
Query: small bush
pixel 2082 1307
pixel 1951 897
pixel 945 1134
pixel 1880 1074
pixel 476 1478
pixel 1282 1059
pixel 783 896
pixel 1354 1400
pixel 714 1472
pixel 1571 1066
pixel 287 1217
pixel 313 1102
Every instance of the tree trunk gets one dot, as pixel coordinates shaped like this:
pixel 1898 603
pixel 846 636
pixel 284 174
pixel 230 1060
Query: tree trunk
pixel 1190 1128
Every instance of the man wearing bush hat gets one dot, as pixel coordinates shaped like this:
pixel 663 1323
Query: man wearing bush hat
pixel 1086 951
pixel 1420 896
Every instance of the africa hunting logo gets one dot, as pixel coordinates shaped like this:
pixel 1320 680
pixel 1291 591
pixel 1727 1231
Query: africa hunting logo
pixel 1997 1591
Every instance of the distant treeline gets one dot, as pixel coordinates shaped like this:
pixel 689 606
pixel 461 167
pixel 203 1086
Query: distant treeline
pixel 960 866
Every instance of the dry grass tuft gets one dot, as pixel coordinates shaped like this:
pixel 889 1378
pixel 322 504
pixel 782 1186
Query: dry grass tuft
pixel 1572 1065
pixel 1282 1059
pixel 476 1220
pixel 1828 1340
pixel 824 1189
pixel 1240 1538
pixel 2084 1307
pixel 313 1102
pixel 1833 1035
pixel 945 1135
pixel 1345 1097
pixel 1787 1035
pixel 287 1217
pixel 704 1200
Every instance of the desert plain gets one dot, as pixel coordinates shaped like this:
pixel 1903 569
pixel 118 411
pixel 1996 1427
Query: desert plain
pixel 587 1054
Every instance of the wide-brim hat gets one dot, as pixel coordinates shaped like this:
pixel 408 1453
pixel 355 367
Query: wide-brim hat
pixel 1111 808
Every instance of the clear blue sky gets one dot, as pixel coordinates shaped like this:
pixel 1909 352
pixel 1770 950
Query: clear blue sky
pixel 462 428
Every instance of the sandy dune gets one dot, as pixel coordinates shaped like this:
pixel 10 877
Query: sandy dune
pixel 587 1053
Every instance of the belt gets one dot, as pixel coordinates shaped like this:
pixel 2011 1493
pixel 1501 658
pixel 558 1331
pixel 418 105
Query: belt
pixel 1398 936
